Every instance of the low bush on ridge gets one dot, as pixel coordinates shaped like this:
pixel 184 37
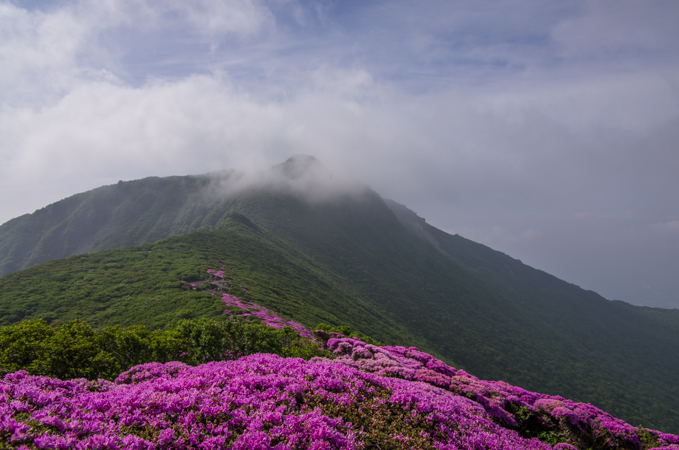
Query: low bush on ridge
pixel 75 350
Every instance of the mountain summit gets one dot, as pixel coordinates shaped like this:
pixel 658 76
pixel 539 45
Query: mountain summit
pixel 298 166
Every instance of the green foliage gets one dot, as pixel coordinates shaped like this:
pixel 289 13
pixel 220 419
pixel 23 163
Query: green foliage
pixel 23 344
pixel 647 439
pixel 346 330
pixel 550 437
pixel 75 350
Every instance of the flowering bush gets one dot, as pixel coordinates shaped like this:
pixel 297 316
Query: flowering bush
pixel 258 402
pixel 267 316
pixel 553 419
pixel 368 397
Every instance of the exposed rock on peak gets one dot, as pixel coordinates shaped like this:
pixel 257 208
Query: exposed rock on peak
pixel 298 166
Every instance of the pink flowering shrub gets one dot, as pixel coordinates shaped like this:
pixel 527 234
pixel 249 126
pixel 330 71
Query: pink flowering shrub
pixel 368 397
pixel 551 418
pixel 267 316
pixel 258 402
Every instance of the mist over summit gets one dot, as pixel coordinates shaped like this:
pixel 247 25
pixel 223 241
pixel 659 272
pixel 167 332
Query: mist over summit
pixel 302 176
pixel 298 166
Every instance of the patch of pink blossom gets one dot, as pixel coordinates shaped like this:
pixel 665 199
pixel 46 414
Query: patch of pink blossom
pixel 215 273
pixel 257 402
pixel 499 399
pixel 267 316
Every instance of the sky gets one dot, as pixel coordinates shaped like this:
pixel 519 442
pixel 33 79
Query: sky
pixel 548 130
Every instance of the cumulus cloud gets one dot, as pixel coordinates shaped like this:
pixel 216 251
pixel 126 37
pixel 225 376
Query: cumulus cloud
pixel 37 53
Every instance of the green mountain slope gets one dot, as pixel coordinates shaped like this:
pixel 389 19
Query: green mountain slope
pixel 120 215
pixel 352 258
pixel 630 345
pixel 143 285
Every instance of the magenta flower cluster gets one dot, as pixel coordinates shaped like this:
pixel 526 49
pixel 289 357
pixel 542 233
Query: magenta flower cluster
pixel 257 402
pixel 496 397
pixel 267 316
pixel 264 401
pixel 216 273
pixel 246 404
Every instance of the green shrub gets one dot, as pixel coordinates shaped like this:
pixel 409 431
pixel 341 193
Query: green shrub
pixel 75 350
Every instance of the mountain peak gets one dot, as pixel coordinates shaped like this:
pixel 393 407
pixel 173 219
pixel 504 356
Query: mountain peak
pixel 298 166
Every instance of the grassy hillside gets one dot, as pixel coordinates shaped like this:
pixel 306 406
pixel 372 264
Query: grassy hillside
pixel 349 260
pixel 142 285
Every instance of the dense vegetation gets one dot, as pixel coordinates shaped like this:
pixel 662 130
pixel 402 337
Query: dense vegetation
pixel 143 285
pixel 75 350
pixel 356 260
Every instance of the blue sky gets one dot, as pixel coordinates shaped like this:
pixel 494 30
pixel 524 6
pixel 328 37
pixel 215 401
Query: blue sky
pixel 548 130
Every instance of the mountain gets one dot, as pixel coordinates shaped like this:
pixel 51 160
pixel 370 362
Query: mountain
pixel 317 249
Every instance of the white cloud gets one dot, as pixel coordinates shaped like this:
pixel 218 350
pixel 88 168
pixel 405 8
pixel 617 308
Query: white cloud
pixel 38 53
pixel 242 17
